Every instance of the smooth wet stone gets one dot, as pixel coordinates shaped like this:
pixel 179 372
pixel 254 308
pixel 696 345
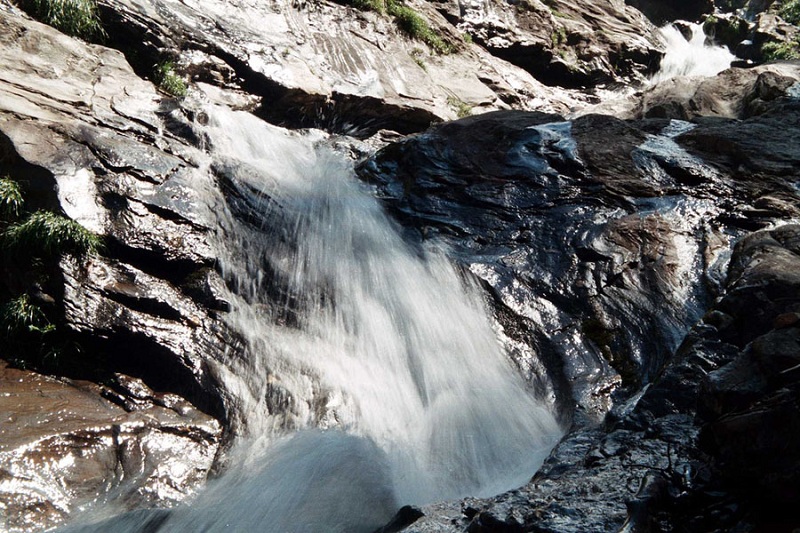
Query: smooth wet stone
pixel 68 445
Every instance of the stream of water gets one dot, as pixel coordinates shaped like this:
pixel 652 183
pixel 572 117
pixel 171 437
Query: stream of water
pixel 692 56
pixel 371 377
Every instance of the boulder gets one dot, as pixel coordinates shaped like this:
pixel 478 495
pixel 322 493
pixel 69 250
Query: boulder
pixel 68 444
pixel 735 93
pixel 661 11
pixel 563 43
pixel 326 64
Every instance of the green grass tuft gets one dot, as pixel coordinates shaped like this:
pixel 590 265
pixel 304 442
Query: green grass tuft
pixel 461 108
pixel 20 315
pixel 11 201
pixel 48 234
pixel 413 24
pixel 168 81
pixel 408 20
pixel 783 51
pixel 790 12
pixel 78 18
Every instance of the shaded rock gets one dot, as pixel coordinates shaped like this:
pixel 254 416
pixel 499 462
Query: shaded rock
pixel 509 192
pixel 755 154
pixel 405 516
pixel 662 11
pixel 751 405
pixel 727 30
pixel 734 93
pixel 66 444
pixel 565 44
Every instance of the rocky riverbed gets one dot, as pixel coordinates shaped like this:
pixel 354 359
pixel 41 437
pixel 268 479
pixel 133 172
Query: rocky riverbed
pixel 640 267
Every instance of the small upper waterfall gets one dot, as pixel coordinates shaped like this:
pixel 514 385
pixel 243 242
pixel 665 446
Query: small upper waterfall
pixel 372 377
pixel 690 57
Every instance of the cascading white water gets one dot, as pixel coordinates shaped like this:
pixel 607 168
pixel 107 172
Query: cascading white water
pixel 372 378
pixel 691 57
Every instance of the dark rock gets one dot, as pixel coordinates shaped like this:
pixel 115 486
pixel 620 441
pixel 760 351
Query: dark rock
pixel 63 445
pixel 727 30
pixel 662 11
pixel 406 516
pixel 751 404
pixel 734 93
pixel 563 43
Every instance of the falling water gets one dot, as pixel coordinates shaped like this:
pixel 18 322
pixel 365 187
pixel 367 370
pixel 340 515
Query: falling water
pixel 692 57
pixel 372 378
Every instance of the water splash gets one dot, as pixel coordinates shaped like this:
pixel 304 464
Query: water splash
pixel 372 377
pixel 692 57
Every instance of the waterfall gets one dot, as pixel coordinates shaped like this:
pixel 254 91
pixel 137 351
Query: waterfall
pixel 371 377
pixel 692 57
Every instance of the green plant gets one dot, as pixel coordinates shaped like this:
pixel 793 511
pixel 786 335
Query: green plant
pixel 790 12
pixel 49 234
pixel 777 51
pixel 168 81
pixel 417 27
pixel 20 315
pixel 78 18
pixel 467 38
pixel 461 108
pixel 559 36
pixel 416 54
pixel 11 200
pixel 408 20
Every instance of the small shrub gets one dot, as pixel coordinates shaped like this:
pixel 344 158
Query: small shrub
pixel 416 55
pixel 19 316
pixel 467 38
pixel 168 81
pixel 11 201
pixel 417 27
pixel 49 234
pixel 558 37
pixel 781 51
pixel 790 12
pixel 74 17
pixel 461 108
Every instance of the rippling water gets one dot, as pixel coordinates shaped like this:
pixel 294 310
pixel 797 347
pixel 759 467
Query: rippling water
pixel 372 378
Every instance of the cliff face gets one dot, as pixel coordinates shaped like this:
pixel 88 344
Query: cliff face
pixel 603 245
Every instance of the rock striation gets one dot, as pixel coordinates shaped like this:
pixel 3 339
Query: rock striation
pixel 606 245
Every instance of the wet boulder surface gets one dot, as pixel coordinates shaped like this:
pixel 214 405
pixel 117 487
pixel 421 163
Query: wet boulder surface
pixel 611 239
pixel 603 245
pixel 71 442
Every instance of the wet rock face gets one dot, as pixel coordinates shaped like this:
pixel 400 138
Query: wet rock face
pixel 588 236
pixel 564 43
pixel 65 444
pixel 324 64
pixel 509 192
pixel 86 141
pixel 663 11
pixel 85 137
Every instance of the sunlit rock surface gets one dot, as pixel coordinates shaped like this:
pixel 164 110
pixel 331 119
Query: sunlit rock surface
pixel 562 43
pixel 600 242
pixel 327 64
pixel 69 444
